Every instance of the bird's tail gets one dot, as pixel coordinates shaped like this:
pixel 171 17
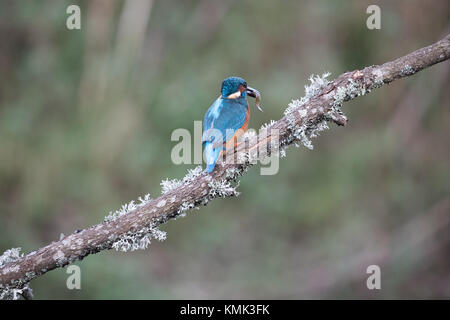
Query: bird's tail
pixel 211 156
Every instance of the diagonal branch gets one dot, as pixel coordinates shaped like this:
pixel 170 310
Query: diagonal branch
pixel 133 226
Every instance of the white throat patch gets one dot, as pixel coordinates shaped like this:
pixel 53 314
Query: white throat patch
pixel 235 95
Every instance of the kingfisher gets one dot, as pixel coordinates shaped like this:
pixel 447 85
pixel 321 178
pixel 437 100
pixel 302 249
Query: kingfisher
pixel 227 118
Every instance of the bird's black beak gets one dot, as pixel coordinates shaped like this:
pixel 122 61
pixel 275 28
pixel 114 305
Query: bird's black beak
pixel 255 94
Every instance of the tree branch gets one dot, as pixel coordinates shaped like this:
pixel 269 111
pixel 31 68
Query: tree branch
pixel 132 227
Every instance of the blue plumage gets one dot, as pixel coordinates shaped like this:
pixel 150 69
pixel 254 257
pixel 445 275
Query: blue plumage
pixel 223 118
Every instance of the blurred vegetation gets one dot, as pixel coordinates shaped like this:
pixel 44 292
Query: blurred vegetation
pixel 85 124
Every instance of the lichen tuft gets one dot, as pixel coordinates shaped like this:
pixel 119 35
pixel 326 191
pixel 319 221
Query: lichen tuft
pixel 138 240
pixel 127 208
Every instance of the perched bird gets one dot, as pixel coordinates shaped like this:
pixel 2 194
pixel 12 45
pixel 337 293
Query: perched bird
pixel 227 118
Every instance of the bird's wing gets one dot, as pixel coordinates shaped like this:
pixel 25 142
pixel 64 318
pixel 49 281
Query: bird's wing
pixel 225 115
pixel 212 114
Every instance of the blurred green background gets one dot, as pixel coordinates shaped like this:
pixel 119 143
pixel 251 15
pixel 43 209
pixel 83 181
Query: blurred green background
pixel 85 124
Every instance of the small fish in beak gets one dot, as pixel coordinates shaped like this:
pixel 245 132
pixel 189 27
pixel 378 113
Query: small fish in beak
pixel 255 94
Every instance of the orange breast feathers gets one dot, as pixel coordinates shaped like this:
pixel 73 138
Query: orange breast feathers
pixel 247 118
pixel 239 132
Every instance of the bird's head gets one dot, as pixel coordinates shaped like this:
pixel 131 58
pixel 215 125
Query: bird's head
pixel 235 87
